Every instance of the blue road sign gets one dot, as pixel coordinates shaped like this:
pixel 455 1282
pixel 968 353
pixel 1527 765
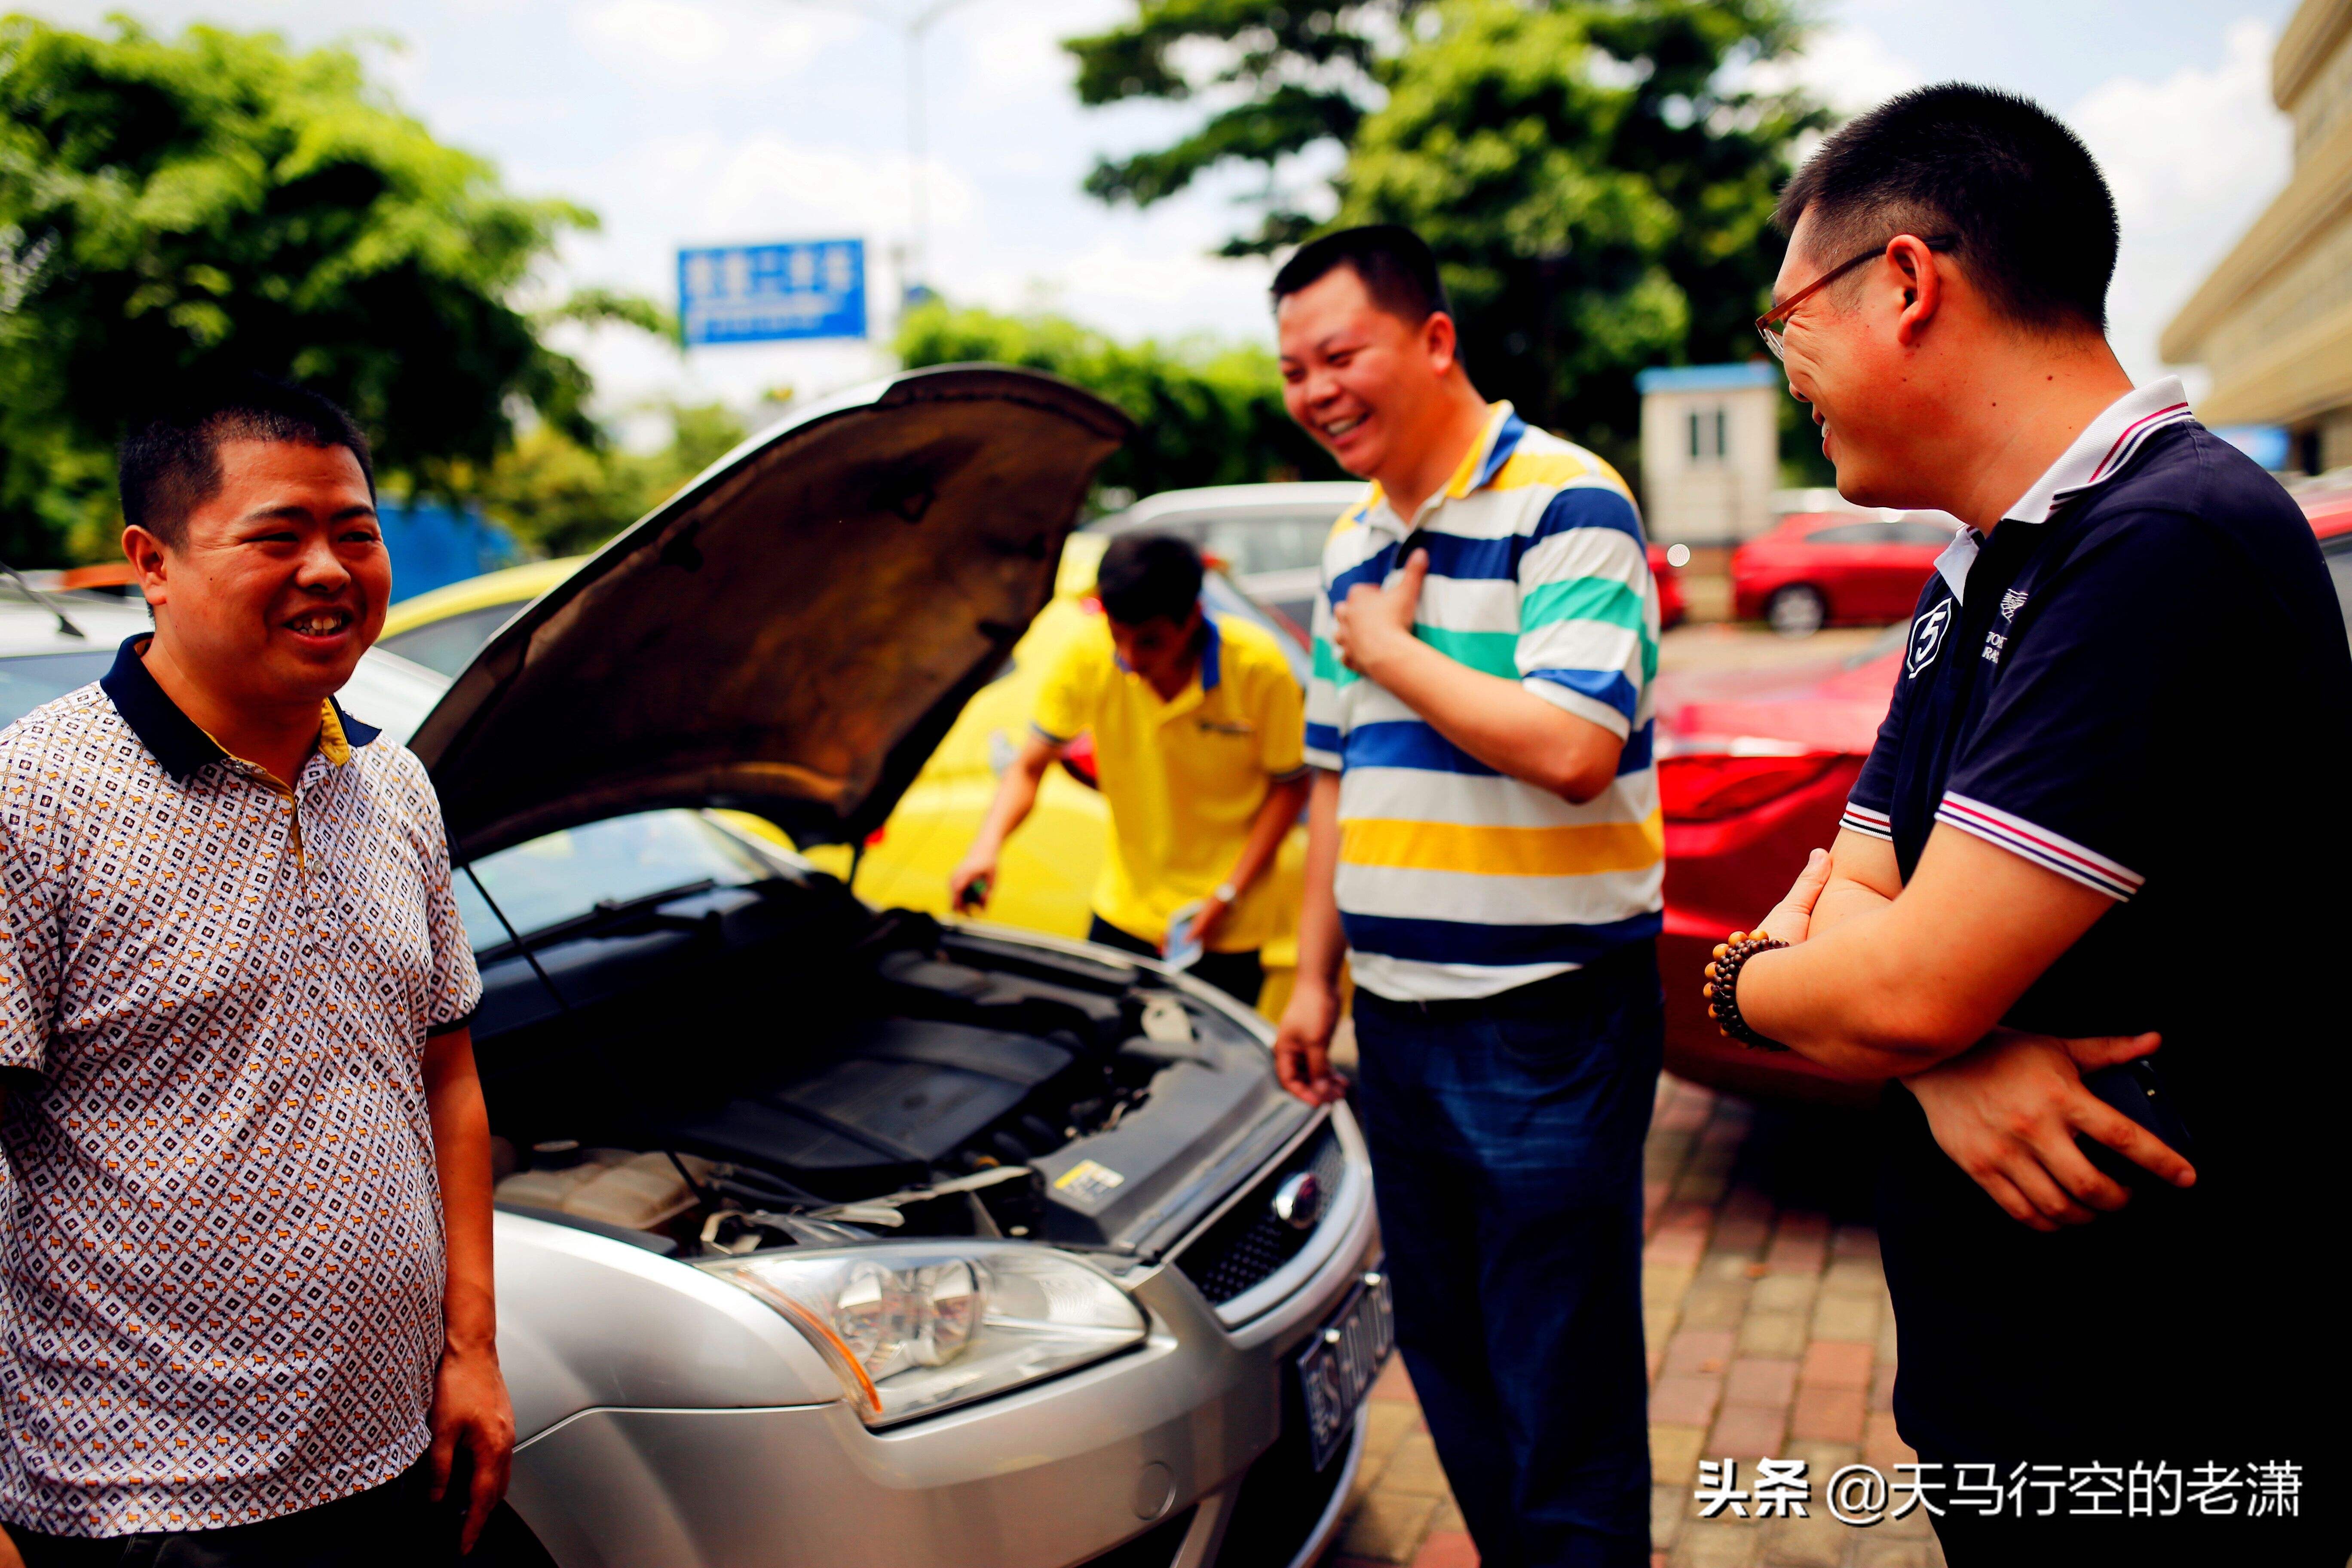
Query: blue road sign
pixel 762 293
pixel 2269 444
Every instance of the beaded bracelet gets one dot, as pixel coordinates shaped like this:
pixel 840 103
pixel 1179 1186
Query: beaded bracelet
pixel 1722 987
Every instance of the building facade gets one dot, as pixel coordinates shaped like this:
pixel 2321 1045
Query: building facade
pixel 1710 450
pixel 2273 322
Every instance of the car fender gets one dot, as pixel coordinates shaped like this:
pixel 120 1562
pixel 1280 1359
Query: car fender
pixel 1035 1477
pixel 586 1322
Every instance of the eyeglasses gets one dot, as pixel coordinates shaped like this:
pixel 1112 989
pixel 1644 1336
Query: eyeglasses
pixel 1774 322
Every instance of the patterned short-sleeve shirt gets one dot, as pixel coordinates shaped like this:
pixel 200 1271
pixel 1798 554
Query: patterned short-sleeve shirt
pixel 221 1259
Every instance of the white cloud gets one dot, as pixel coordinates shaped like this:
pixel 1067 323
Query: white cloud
pixel 1111 270
pixel 2192 159
pixel 395 62
pixel 1013 51
pixel 1142 280
pixel 700 187
pixel 1848 69
pixel 769 184
pixel 2199 136
pixel 672 30
pixel 706 43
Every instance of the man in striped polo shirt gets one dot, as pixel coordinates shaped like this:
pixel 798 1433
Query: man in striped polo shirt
pixel 1485 842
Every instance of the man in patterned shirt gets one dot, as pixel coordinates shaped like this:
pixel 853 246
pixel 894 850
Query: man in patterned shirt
pixel 245 1240
pixel 1484 835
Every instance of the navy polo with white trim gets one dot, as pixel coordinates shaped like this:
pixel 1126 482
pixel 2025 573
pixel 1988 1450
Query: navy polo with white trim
pixel 2139 680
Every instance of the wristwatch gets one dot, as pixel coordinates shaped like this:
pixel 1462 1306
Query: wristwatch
pixel 1226 894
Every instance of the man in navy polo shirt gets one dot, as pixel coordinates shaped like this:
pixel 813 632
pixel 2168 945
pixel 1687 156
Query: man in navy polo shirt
pixel 2057 898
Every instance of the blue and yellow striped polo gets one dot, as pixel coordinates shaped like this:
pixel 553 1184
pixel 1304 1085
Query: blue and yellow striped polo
pixel 1455 880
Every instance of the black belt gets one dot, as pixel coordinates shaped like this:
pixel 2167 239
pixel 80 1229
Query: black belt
pixel 1548 996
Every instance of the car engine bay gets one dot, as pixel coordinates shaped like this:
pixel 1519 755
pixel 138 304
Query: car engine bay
pixel 728 1070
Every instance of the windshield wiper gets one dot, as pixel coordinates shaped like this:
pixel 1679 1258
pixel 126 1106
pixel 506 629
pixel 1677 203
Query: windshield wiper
pixel 65 622
pixel 604 912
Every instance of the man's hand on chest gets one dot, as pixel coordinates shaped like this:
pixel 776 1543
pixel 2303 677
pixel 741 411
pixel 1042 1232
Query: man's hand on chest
pixel 1373 625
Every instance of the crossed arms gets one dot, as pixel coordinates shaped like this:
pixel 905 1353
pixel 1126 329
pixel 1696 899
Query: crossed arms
pixel 1889 979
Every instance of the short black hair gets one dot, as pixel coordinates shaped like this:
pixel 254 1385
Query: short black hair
pixel 2034 219
pixel 169 463
pixel 1144 576
pixel 1398 268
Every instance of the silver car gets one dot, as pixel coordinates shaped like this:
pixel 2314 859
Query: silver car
pixel 831 1236
pixel 1268 537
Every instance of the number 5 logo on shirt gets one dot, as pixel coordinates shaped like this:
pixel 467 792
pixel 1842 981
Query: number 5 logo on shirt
pixel 1927 636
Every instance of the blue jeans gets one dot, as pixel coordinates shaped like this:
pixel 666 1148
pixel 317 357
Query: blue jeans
pixel 1507 1156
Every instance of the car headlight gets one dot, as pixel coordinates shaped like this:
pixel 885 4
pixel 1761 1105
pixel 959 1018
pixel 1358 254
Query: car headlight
pixel 909 1329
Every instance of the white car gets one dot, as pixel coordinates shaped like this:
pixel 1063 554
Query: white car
pixel 1269 537
pixel 51 644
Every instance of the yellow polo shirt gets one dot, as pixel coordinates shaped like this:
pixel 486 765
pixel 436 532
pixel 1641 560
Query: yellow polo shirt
pixel 1183 778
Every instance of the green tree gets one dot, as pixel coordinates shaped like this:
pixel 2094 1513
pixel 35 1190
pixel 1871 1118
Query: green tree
pixel 1288 77
pixel 179 209
pixel 1592 176
pixel 561 496
pixel 1207 414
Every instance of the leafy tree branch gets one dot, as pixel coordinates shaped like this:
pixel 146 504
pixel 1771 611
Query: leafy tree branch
pixel 176 208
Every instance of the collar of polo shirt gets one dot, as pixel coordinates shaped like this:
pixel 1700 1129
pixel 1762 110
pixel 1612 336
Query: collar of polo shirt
pixel 1477 470
pixel 178 742
pixel 2103 449
pixel 1209 670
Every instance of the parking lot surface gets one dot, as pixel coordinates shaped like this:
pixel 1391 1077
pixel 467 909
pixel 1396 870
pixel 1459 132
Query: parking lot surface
pixel 1698 645
pixel 1769 1335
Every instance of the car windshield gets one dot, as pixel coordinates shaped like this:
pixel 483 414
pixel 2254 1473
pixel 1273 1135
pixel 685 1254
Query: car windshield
pixel 1225 600
pixel 1248 545
pixel 449 644
pixel 622 861
pixel 28 681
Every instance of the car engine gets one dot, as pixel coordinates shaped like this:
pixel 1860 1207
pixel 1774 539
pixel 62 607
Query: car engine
pixel 734 1071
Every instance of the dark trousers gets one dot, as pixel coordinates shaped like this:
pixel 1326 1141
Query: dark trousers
pixel 394 1525
pixel 1240 975
pixel 1506 1157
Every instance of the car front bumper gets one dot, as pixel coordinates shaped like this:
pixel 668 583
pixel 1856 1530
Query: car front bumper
pixel 1164 1437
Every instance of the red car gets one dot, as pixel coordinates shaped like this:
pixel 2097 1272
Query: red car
pixel 1754 767
pixel 1817 568
pixel 1668 573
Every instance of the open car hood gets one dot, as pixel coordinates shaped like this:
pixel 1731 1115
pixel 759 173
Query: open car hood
pixel 791 633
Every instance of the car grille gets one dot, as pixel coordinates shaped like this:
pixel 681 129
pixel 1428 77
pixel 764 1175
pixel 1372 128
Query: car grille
pixel 1249 1243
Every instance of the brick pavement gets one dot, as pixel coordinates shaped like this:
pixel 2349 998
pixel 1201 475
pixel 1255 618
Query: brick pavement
pixel 1769 1334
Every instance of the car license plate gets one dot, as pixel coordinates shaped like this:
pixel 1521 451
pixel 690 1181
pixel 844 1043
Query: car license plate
pixel 1337 1368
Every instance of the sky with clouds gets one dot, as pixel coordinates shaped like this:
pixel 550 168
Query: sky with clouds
pixel 685 121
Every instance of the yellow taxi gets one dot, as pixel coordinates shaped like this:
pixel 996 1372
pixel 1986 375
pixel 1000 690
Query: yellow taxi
pixel 1045 878
pixel 445 629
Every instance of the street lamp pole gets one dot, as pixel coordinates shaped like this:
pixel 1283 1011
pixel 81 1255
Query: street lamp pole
pixel 914 27
pixel 919 179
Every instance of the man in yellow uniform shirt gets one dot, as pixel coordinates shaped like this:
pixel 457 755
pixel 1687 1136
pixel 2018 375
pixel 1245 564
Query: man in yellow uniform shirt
pixel 1198 729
